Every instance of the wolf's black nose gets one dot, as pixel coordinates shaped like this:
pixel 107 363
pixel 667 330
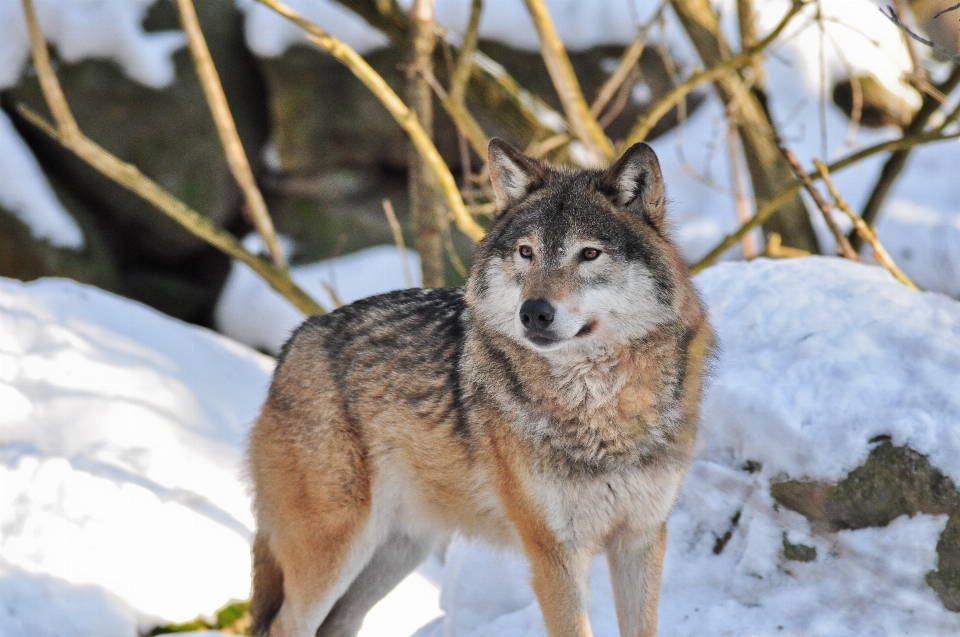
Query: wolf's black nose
pixel 536 314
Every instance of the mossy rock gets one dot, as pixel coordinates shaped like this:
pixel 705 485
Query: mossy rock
pixel 893 481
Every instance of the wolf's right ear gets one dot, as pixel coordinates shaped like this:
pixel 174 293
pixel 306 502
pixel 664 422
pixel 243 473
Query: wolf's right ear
pixel 512 174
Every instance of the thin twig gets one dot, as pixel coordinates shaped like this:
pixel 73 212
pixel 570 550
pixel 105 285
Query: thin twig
pixel 454 101
pixel 629 60
pixel 898 160
pixel 648 120
pixel 395 106
pixel 947 10
pixel 127 175
pixel 582 123
pixel 52 91
pixel 893 17
pixel 770 206
pixel 227 130
pixel 398 239
pixel 879 252
pixel 739 196
pixel 843 244
pixel 332 292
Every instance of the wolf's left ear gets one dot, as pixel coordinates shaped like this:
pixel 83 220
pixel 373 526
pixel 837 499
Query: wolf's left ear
pixel 512 174
pixel 635 182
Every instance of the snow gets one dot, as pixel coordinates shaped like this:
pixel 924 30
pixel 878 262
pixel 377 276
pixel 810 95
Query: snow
pixel 121 435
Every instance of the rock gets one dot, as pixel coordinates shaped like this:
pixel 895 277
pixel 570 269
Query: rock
pixel 878 105
pixel 893 481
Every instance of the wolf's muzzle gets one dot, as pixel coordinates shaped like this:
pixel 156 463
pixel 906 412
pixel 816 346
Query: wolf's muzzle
pixel 536 315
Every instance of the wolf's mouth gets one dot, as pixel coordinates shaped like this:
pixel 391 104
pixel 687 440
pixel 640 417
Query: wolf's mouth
pixel 542 341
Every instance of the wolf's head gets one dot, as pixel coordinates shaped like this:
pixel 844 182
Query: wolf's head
pixel 576 258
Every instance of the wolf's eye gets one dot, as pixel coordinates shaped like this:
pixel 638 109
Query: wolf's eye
pixel 589 254
pixel 526 252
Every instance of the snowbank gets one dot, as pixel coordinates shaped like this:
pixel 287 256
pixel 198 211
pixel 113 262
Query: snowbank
pixel 819 355
pixel 254 314
pixel 121 442
pixel 121 436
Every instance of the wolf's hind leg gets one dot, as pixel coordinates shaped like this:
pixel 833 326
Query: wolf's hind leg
pixel 393 560
pixel 318 569
pixel 636 566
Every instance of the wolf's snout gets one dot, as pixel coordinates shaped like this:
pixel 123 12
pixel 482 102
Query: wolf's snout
pixel 536 314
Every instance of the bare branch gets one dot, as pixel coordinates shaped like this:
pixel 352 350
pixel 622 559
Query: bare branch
pixel 398 239
pixel 893 17
pixel 395 106
pixel 647 121
pixel 582 123
pixel 227 130
pixel 52 92
pixel 628 61
pixel 843 244
pixel 770 206
pixel 879 252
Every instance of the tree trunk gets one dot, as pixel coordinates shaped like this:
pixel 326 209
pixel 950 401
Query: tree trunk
pixel 769 172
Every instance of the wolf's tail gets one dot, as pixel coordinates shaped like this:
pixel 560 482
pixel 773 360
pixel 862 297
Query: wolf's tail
pixel 267 594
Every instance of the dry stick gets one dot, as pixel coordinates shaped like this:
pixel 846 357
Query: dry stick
pixel 843 244
pixel 772 205
pixel 69 135
pixel 628 60
pixel 893 17
pixel 582 123
pixel 898 160
pixel 227 130
pixel 398 239
pixel 647 121
pixel 879 252
pixel 496 90
pixel 401 114
pixel 455 101
pixel 623 96
pixel 739 196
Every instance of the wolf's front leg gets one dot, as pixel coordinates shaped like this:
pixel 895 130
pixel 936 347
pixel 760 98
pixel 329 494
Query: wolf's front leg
pixel 562 586
pixel 636 565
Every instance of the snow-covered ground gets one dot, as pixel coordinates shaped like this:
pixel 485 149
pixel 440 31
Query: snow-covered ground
pixel 122 505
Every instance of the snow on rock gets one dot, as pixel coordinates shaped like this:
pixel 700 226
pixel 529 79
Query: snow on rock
pixel 253 313
pixel 109 29
pixel 120 448
pixel 25 191
pixel 819 355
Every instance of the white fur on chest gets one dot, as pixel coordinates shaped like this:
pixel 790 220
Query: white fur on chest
pixel 588 510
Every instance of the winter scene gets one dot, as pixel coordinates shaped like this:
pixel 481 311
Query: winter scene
pixel 626 318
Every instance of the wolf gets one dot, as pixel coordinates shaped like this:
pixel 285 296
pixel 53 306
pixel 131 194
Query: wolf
pixel 550 405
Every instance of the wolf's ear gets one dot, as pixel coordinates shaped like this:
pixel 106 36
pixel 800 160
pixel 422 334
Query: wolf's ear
pixel 635 182
pixel 512 173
